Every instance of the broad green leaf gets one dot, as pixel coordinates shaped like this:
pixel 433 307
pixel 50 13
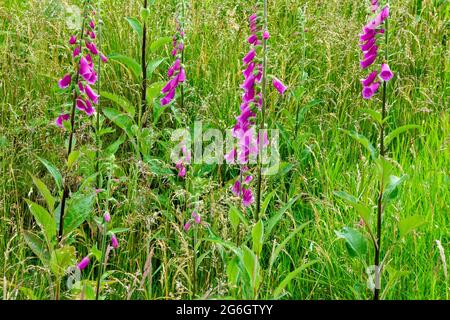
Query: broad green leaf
pixel 394 134
pixel 123 121
pixel 79 207
pixel 391 190
pixel 363 210
pixel 356 243
pixel 156 45
pixel 45 193
pixel 411 223
pixel 44 220
pixel 136 25
pixel 240 215
pixel 290 277
pixel 38 246
pixel 53 171
pixel 154 90
pixel 258 237
pixel 61 259
pixel 233 213
pixel 130 63
pixel 158 167
pixel 276 218
pixel 374 114
pixel 122 102
pixel 73 158
pixel 233 271
pixel 152 65
pixel 364 142
pixel 251 265
pixel 114 147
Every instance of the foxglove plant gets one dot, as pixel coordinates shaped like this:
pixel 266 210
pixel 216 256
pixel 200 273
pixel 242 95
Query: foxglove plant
pixel 79 81
pixel 370 87
pixel 250 144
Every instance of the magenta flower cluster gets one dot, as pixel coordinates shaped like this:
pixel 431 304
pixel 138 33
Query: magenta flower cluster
pixel 194 220
pixel 368 44
pixel 176 72
pixel 84 72
pixel 183 161
pixel 252 101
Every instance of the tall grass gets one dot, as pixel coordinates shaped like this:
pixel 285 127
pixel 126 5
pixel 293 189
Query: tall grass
pixel 155 257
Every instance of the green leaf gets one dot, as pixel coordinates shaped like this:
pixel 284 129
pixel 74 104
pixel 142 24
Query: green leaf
pixel 391 190
pixel 44 220
pixel 118 230
pixel 45 193
pixel 233 271
pixel 53 171
pixel 154 90
pixel 129 62
pixel 355 241
pixel 240 215
pixel 114 147
pixel 374 115
pixel 266 202
pixel 364 142
pixel 38 246
pixel 96 252
pixel 152 65
pixel 73 158
pixel 158 167
pixel 394 134
pixel 136 25
pixel 233 213
pixel 258 237
pixel 274 220
pixel 409 224
pixel 251 265
pixel 290 277
pixel 121 120
pixel 156 45
pixel 120 101
pixel 61 259
pixel 363 210
pixel 79 207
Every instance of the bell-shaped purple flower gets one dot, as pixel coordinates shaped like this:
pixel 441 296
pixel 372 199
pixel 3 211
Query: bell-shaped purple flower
pixel 369 91
pixel 65 81
pixel 114 241
pixel 83 263
pixel 279 86
pixel 368 81
pixel 386 73
pixel 59 121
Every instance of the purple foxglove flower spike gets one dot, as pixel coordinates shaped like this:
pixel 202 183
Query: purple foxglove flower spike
pixel 247 197
pixel 369 91
pixel 107 217
pixel 76 52
pixel 386 73
pixel 249 57
pixel 266 35
pixel 187 226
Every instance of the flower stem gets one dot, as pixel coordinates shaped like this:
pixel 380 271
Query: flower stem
pixel 99 110
pixel 381 184
pixel 263 117
pixel 72 129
